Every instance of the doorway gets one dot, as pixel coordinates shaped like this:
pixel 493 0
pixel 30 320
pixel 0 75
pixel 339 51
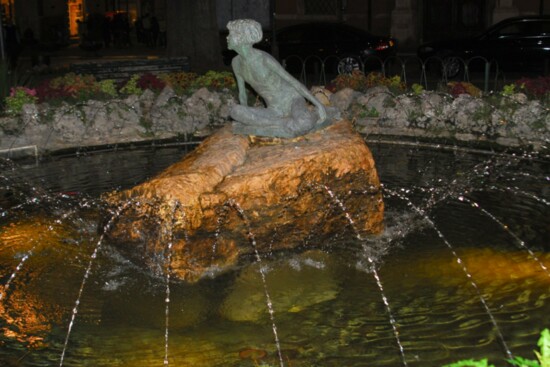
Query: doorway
pixel 75 15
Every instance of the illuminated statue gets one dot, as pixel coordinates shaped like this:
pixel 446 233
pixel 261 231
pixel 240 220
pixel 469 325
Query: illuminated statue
pixel 287 113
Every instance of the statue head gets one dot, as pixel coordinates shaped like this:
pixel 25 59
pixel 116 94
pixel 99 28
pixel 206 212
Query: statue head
pixel 244 31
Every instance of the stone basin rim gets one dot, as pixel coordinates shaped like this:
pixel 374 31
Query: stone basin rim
pixel 475 147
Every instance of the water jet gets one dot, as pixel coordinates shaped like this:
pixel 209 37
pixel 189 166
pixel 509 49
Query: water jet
pixel 327 305
pixel 293 242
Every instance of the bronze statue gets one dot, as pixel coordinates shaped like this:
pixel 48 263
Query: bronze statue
pixel 287 113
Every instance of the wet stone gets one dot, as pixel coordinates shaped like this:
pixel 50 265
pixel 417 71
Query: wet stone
pixel 236 194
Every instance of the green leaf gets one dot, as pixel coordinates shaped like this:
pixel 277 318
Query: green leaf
pixel 470 363
pixel 544 345
pixel 523 362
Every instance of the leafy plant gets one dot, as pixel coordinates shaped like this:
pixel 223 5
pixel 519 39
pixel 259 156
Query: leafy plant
pixel 458 88
pixel 369 112
pixel 544 345
pixel 131 86
pixel 150 81
pixel 179 81
pixel 417 89
pixel 483 113
pixel 215 80
pixel 71 87
pixel 508 90
pixel 19 96
pixel 543 356
pixel 470 363
pixel 108 88
pixel 535 87
pixel 13 77
pixel 358 81
pixel 393 83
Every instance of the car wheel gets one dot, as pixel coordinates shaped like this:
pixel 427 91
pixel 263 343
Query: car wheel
pixel 348 65
pixel 452 66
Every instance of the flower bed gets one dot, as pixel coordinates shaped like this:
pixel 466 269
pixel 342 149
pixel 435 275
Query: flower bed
pixel 77 110
pixel 518 116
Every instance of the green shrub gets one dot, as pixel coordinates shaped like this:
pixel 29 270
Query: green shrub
pixel 19 96
pixel 131 86
pixel 180 82
pixel 108 87
pixel 215 80
pixel 358 81
pixel 543 356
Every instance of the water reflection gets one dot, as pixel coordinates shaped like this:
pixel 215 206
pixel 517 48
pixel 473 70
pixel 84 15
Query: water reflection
pixel 327 305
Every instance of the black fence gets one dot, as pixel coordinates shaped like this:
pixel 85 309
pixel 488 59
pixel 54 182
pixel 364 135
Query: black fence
pixel 431 73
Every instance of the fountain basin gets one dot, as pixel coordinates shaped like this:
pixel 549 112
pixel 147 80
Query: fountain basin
pixel 329 310
pixel 276 191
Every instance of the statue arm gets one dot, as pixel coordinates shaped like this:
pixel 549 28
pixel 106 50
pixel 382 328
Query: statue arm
pixel 281 72
pixel 243 98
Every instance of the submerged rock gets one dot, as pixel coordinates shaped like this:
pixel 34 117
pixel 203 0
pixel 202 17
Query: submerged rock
pixel 235 195
pixel 293 285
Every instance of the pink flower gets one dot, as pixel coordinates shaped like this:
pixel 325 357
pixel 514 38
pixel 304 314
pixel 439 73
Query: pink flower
pixel 31 92
pixel 28 91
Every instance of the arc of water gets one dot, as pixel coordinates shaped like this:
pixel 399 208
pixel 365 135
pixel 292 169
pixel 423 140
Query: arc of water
pixel 518 191
pixel 168 265
pixel 461 264
pixel 377 278
pixel 26 257
pixel 519 241
pixel 87 273
pixel 220 220
pixel 36 196
pixel 462 183
pixel 33 200
pixel 233 204
pixel 15 272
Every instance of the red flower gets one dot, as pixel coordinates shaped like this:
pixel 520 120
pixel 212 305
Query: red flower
pixel 150 81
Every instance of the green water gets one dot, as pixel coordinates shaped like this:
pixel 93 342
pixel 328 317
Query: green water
pixel 328 308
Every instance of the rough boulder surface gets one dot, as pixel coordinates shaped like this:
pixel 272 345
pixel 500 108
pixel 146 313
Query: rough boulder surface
pixel 239 195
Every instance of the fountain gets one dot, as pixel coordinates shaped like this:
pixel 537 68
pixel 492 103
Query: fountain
pixel 327 307
pixel 273 251
pixel 268 161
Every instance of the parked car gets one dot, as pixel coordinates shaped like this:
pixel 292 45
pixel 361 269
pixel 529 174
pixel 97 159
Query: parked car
pixel 519 43
pixel 346 47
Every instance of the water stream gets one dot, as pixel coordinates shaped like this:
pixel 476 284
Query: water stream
pixel 505 228
pixel 464 268
pixel 461 268
pixel 269 302
pixel 372 266
pixel 87 273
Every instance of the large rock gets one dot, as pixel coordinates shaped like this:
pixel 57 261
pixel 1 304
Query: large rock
pixel 236 194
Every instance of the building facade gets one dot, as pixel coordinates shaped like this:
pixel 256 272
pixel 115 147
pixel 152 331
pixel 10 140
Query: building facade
pixel 410 21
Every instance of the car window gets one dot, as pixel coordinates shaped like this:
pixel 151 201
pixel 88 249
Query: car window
pixel 521 29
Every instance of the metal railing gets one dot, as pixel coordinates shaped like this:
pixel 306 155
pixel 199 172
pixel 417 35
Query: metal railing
pixel 430 73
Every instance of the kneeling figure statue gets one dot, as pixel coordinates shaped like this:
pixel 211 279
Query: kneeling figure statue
pixel 287 113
